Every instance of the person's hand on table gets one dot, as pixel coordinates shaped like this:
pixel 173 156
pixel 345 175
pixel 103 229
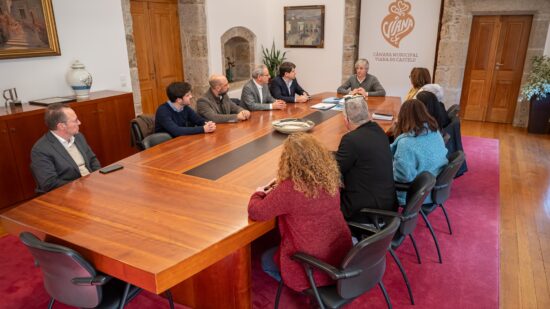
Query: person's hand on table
pixel 243 115
pixel 301 98
pixel 209 127
pixel 278 104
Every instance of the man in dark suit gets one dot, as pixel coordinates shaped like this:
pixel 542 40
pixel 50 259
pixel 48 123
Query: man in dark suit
pixel 255 94
pixel 215 105
pixel 61 155
pixel 285 86
pixel 365 163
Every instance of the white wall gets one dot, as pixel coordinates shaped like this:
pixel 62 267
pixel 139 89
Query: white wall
pixel 318 69
pixel 90 31
pixel 420 43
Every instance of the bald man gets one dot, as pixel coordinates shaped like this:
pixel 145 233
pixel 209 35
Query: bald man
pixel 215 104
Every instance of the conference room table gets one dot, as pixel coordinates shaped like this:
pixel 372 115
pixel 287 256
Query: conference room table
pixel 175 217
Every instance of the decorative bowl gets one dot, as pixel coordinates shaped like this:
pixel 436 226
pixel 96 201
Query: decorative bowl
pixel 292 125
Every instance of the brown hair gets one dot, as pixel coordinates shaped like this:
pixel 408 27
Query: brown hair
pixel 413 117
pixel 420 77
pixel 309 165
pixel 55 113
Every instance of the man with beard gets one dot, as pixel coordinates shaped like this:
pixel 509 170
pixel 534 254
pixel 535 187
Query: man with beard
pixel 215 104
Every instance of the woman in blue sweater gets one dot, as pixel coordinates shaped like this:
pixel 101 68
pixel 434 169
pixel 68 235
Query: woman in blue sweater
pixel 176 117
pixel 418 147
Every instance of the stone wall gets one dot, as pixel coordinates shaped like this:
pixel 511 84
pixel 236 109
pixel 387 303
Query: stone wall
pixel 351 37
pixel 455 34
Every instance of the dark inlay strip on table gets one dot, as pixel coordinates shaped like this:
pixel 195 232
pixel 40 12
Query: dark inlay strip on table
pixel 234 159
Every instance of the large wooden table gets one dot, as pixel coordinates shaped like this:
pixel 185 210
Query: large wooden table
pixel 176 216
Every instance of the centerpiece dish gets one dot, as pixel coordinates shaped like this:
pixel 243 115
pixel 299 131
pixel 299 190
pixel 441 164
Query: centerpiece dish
pixel 292 125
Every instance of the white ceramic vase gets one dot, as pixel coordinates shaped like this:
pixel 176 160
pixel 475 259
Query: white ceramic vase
pixel 80 80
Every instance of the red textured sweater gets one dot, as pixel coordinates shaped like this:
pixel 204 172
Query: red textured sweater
pixel 314 226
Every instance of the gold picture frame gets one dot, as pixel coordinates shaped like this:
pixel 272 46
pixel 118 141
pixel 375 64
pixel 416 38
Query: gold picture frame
pixel 27 29
pixel 304 26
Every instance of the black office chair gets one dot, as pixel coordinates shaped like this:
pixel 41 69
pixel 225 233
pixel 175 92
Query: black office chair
pixel 417 191
pixel 361 270
pixel 442 189
pixel 453 111
pixel 141 127
pixel 455 142
pixel 70 279
pixel 155 139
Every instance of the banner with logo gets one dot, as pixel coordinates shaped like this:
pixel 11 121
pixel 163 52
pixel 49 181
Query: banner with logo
pixel 396 36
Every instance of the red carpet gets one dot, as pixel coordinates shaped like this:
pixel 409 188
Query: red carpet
pixel 468 277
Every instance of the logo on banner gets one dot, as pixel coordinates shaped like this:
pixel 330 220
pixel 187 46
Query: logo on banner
pixel 398 23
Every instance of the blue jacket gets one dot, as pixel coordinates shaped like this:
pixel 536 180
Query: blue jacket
pixel 186 122
pixel 413 155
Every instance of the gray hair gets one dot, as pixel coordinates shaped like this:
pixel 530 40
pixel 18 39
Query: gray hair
pixel 258 70
pixel 361 62
pixel 436 89
pixel 356 110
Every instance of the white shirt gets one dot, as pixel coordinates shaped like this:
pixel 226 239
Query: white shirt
pixel 64 141
pixel 260 87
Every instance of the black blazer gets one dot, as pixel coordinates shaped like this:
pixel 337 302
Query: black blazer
pixel 279 89
pixel 52 165
pixel 365 162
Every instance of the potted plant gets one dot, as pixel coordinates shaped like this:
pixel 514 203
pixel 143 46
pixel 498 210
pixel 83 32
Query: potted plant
pixel 537 91
pixel 273 59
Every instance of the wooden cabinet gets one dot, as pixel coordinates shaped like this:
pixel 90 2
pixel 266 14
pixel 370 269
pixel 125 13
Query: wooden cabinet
pixel 105 121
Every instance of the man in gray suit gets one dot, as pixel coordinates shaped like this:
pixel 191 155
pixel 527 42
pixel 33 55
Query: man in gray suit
pixel 61 155
pixel 255 93
pixel 215 105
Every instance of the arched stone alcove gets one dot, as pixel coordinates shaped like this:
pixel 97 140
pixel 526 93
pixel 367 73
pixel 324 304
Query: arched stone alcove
pixel 238 49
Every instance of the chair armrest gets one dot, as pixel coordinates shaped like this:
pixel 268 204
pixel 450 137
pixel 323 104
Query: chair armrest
pixel 332 271
pixel 97 280
pixel 362 227
pixel 380 212
pixel 402 186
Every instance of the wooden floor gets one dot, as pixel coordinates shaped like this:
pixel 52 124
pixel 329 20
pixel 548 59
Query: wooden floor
pixel 524 215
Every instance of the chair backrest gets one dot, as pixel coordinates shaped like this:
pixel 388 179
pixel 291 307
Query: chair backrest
pixel 442 188
pixel 141 127
pixel 59 266
pixel 421 186
pixel 155 139
pixel 369 255
pixel 453 111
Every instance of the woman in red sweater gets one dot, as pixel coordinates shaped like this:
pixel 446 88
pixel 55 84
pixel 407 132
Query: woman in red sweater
pixel 305 198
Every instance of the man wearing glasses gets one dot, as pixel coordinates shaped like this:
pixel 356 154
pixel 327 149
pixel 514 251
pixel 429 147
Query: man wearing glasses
pixel 62 154
pixel 255 93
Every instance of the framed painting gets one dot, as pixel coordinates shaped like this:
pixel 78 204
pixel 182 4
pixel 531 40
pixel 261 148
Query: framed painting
pixel 27 29
pixel 305 26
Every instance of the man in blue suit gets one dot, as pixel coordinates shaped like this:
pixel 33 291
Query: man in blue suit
pixel 285 86
pixel 61 155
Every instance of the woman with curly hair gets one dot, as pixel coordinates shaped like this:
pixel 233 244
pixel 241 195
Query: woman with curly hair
pixel 305 198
